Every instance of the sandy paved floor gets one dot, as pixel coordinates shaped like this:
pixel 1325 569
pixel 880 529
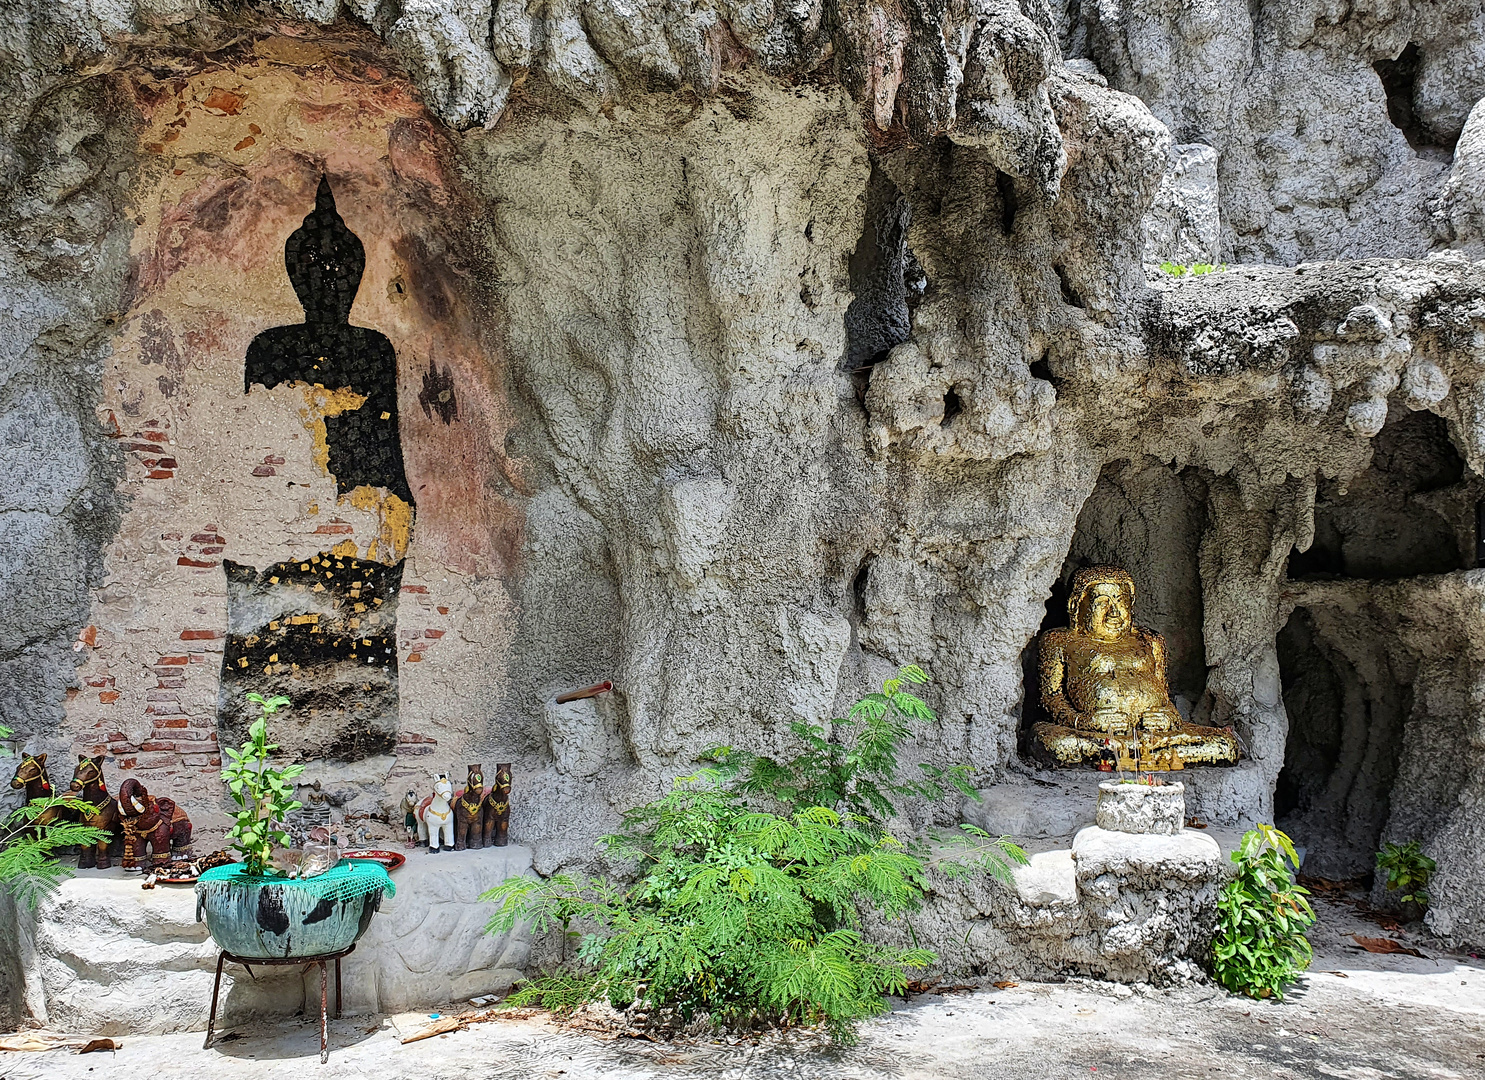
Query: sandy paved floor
pixel 1383 1016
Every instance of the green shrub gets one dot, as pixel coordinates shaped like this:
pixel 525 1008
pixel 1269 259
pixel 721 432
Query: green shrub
pixel 1408 870
pixel 859 778
pixel 1260 945
pixel 28 846
pixel 752 915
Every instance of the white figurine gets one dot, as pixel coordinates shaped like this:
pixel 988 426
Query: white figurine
pixel 436 815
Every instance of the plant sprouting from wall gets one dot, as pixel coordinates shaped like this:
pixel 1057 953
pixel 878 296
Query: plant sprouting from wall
pixel 1192 270
pixel 1408 871
pixel 1260 945
pixel 263 795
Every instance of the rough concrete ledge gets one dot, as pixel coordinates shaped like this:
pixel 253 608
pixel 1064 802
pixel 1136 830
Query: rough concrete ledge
pixel 1122 906
pixel 103 956
pixel 1187 856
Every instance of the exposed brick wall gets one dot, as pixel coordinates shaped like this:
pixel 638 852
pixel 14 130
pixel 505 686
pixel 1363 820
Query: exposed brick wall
pixel 212 473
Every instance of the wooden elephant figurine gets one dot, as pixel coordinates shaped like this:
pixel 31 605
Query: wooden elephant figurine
pixel 495 812
pixel 468 813
pixel 148 822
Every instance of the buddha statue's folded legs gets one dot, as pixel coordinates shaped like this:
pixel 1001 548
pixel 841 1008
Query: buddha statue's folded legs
pixel 1187 745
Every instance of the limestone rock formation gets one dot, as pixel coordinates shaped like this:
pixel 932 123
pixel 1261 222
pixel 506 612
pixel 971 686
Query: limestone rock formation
pixel 757 350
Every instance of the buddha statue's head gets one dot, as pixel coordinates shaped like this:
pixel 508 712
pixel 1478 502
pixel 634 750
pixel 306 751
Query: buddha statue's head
pixel 1101 603
pixel 325 260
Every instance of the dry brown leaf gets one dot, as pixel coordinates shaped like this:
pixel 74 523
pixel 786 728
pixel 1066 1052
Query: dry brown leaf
pixel 1386 946
pixel 37 1040
pixel 438 1027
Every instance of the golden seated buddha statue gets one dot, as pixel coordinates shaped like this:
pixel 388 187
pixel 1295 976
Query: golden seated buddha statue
pixel 1103 682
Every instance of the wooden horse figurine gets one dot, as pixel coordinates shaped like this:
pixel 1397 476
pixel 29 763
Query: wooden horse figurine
pixel 31 775
pixel 468 828
pixel 149 822
pixel 87 785
pixel 495 814
pixel 436 815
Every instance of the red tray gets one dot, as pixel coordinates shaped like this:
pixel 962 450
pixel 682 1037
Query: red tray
pixel 390 859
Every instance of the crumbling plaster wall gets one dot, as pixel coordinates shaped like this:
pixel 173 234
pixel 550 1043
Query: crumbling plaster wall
pixel 634 255
pixel 212 472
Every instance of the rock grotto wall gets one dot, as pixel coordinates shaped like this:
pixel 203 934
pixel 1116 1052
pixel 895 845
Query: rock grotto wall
pixel 740 355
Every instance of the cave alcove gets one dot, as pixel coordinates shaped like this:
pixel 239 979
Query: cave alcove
pixel 1409 513
pixel 1347 690
pixel 1149 519
pixel 1346 677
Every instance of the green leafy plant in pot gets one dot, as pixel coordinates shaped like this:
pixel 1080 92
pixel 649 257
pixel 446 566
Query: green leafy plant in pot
pixel 264 795
pixel 250 908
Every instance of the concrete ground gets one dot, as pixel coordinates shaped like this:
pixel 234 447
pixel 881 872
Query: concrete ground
pixel 1354 1015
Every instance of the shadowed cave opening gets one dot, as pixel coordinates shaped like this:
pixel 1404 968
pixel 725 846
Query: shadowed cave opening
pixel 953 406
pixel 1399 81
pixel 886 280
pixel 1407 514
pixel 1347 707
pixel 1149 519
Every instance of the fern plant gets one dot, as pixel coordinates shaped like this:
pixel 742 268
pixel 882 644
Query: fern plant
pixel 748 914
pixel 1260 946
pixel 29 869
pixel 852 764
pixel 1408 870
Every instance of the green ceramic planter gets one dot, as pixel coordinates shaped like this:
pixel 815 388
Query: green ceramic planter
pixel 282 919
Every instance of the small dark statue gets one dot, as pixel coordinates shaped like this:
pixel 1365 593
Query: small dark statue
pixel 410 817
pixel 156 823
pixel 468 815
pixel 495 813
pixel 87 785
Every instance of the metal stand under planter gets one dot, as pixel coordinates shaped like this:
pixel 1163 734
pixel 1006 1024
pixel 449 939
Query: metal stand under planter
pixel 307 961
pixel 264 919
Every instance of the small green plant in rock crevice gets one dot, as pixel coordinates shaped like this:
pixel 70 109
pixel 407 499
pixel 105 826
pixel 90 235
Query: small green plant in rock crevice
pixel 263 795
pixel 33 834
pixel 747 913
pixel 1193 270
pixel 1260 945
pixel 1408 871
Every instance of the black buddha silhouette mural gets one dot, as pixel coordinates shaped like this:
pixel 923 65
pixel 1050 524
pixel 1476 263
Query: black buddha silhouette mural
pixel 323 629
pixel 325 260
